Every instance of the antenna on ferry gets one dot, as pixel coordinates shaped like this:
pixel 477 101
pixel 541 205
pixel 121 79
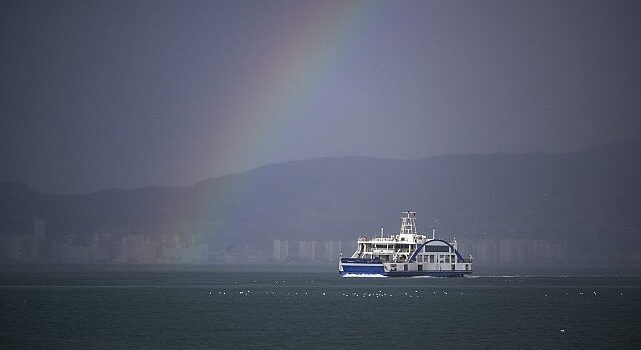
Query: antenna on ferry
pixel 433 232
pixel 381 231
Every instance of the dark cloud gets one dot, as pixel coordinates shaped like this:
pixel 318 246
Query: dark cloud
pixel 100 94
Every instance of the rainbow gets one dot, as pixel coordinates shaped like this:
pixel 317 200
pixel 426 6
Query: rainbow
pixel 317 44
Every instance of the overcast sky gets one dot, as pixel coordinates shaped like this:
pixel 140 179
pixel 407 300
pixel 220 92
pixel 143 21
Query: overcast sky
pixel 102 94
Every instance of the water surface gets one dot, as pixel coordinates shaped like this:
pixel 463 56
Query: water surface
pixel 214 309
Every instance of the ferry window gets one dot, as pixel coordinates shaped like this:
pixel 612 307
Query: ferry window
pixel 467 267
pixel 404 267
pixel 447 258
pixel 453 258
pixel 432 258
pixel 453 267
pixel 437 248
pixel 420 267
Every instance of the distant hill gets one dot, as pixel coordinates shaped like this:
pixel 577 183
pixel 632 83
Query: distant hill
pixel 590 201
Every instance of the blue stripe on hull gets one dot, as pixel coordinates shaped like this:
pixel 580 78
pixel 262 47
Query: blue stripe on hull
pixel 363 269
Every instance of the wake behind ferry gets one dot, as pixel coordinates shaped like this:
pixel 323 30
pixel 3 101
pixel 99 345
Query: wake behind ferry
pixel 406 254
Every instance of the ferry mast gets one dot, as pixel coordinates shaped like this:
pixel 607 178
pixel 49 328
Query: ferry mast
pixel 408 223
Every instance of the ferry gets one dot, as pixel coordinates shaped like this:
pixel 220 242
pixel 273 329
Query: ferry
pixel 407 253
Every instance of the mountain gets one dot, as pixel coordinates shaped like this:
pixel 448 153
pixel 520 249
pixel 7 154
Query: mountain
pixel 588 203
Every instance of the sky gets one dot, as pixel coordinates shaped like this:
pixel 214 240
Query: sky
pixel 124 94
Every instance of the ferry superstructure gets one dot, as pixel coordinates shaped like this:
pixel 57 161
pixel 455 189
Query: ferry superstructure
pixel 407 253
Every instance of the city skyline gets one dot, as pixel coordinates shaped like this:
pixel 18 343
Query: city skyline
pixel 193 248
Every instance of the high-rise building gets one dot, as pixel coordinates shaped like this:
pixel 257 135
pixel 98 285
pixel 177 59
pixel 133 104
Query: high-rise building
pixel 39 239
pixel 281 250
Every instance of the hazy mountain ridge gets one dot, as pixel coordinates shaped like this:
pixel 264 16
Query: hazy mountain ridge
pixel 587 200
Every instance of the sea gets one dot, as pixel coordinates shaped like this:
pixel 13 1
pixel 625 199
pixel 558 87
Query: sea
pixel 257 308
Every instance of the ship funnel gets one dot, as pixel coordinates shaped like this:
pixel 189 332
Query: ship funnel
pixel 382 231
pixel 433 232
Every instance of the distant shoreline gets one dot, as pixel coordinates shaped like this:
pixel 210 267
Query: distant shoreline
pixel 480 270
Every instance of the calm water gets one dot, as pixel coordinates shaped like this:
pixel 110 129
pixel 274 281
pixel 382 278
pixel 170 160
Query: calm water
pixel 313 310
